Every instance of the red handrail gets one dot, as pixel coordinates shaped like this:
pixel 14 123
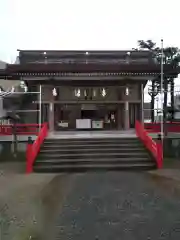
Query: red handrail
pixel 154 147
pixel 33 149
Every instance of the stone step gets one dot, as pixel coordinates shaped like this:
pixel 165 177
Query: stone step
pixel 78 155
pixel 93 154
pixel 92 161
pixel 90 137
pixel 90 150
pixel 94 167
pixel 92 145
pixel 91 140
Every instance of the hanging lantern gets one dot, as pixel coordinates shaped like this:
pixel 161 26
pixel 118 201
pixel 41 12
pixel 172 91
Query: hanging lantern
pixel 103 93
pixel 77 92
pixel 127 91
pixel 54 92
pixel 22 84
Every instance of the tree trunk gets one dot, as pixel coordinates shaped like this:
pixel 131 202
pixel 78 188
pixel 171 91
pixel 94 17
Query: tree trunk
pixel 172 99
pixel 152 101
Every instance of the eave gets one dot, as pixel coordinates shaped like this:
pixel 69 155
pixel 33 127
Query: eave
pixel 45 76
pixel 17 71
pixel 90 68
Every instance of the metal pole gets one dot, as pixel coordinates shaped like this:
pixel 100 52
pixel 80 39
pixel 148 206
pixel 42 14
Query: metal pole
pixel 162 105
pixel 40 106
pixel 157 112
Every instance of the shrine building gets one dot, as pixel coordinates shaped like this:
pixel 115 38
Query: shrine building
pixel 84 90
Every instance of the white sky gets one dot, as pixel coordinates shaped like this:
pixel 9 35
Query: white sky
pixel 85 24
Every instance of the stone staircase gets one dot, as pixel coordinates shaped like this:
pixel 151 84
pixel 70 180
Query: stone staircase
pixel 76 155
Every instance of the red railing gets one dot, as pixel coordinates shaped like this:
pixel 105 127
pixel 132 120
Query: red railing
pixel 21 129
pixel 154 147
pixel 156 127
pixel 33 148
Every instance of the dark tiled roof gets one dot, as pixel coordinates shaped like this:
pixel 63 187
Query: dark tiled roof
pixel 82 53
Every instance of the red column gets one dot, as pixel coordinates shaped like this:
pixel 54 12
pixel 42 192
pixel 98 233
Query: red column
pixel 160 156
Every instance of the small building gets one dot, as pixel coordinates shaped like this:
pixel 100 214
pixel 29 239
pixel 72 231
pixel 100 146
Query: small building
pixel 94 90
pixel 8 93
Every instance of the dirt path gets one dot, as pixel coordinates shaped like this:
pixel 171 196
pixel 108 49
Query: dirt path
pixel 126 206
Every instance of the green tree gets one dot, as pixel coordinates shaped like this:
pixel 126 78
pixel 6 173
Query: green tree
pixel 171 56
pixel 151 46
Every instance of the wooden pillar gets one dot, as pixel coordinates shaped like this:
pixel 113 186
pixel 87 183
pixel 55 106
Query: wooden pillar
pixel 52 98
pixel 126 116
pixel 51 116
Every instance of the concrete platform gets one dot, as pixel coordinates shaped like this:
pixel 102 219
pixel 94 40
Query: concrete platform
pixel 92 134
pixel 86 134
pixel 20 138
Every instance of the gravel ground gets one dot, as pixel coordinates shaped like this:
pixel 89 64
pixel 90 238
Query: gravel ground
pixel 117 205
pixel 123 205
pixel 28 203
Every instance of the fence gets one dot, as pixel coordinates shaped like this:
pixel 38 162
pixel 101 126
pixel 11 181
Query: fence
pixel 158 102
pixel 20 129
pixel 24 112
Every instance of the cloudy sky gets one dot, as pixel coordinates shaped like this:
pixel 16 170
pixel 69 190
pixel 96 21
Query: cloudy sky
pixel 85 24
